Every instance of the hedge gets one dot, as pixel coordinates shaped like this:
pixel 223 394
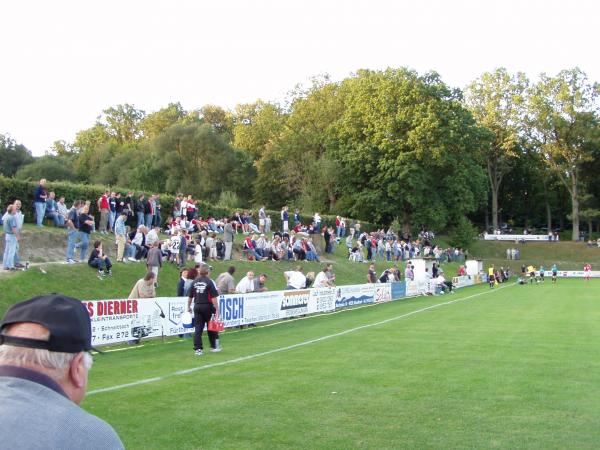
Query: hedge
pixel 11 189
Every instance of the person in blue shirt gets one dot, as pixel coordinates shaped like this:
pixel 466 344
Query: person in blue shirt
pixel 554 273
pixel 52 211
pixel 11 236
pixel 542 272
pixel 39 200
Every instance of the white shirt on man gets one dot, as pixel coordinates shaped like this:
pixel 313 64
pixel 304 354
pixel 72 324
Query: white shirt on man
pixel 321 280
pixel 245 285
pixel 296 279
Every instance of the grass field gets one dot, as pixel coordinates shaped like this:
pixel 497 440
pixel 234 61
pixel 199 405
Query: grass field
pixel 514 367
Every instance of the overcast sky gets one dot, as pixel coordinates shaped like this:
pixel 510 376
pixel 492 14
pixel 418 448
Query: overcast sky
pixel 63 62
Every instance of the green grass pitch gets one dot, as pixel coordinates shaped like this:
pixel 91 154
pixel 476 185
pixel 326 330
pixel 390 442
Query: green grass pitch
pixel 513 367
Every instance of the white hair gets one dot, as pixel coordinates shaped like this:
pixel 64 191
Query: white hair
pixel 23 356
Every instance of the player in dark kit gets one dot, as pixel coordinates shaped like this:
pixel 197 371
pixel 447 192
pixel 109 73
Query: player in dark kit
pixel 206 303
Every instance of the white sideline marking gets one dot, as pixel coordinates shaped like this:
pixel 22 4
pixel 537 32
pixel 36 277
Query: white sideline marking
pixel 289 347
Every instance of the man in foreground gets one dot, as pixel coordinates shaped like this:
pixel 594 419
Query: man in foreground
pixel 44 368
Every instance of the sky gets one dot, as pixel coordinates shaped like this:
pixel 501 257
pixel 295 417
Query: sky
pixel 63 62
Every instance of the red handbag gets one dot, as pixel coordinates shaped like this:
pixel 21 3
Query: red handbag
pixel 214 324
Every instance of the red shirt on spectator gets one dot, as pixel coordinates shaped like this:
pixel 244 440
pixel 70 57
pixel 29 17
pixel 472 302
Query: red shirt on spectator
pixel 104 202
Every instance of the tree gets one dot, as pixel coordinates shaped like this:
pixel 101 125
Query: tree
pixel 53 168
pixel 194 159
pixel 408 150
pixel 497 101
pixel 157 122
pixel 256 126
pixel 12 156
pixel 564 123
pixel 220 119
pixel 123 123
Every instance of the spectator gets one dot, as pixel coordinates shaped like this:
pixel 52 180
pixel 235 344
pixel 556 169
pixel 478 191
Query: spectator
pixel 140 207
pixel 11 237
pixel 295 279
pixel 154 260
pixel 174 243
pixel 246 284
pixel 39 200
pixel 285 219
pixel 262 217
pixel 328 240
pixel 144 288
pixel 371 275
pixel 120 235
pixel 52 210
pixel 20 218
pixel 317 223
pixel 100 261
pixel 112 210
pixel 211 246
pixel 183 278
pixel 157 220
pixel 268 224
pixel 296 217
pixel 225 282
pixel 62 209
pixel 73 236
pixel 322 280
pixel 152 236
pixel 104 209
pixel 44 367
pixel 260 283
pixel 139 241
pixel 228 235
pixel 86 224
pixel 149 211
pixel 443 284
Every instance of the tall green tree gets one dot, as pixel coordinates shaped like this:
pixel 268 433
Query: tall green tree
pixel 257 125
pixel 154 124
pixel 194 159
pixel 53 168
pixel 409 150
pixel 12 156
pixel 564 122
pixel 123 123
pixel 497 101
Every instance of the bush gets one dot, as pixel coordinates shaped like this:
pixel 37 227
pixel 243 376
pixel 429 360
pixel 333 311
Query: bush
pixel 463 234
pixel 229 199
pixel 11 189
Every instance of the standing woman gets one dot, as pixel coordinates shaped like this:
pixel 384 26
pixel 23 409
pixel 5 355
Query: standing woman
pixel 144 288
pixel 205 297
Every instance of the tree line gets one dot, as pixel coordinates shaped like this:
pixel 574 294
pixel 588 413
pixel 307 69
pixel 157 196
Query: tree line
pixel 391 147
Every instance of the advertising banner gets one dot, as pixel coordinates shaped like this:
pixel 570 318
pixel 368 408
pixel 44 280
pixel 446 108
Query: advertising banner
pixel 354 295
pixel 321 300
pixel 398 290
pixel 123 320
pixel 462 281
pixel 383 292
pixel 242 309
pixel 517 237
pixel 412 288
pixel 294 303
pixel 573 273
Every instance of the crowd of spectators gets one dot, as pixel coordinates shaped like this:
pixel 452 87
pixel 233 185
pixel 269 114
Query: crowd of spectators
pixel 139 230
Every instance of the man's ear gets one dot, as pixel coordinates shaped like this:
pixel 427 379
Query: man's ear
pixel 78 372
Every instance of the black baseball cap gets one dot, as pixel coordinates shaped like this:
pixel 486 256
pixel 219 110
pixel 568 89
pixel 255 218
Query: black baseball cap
pixel 66 318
